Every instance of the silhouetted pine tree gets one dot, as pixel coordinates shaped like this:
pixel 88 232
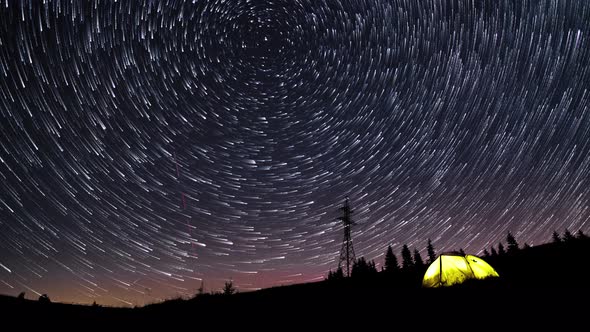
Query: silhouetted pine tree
pixel 501 250
pixel 494 253
pixel 362 269
pixel 357 267
pixel 556 238
pixel 486 253
pixel 391 264
pixel 512 244
pixel 372 267
pixel 201 289
pixel 339 274
pixel 567 236
pixel 336 275
pixel 580 235
pixel 418 262
pixel 462 252
pixel 407 260
pixel 228 288
pixel 430 252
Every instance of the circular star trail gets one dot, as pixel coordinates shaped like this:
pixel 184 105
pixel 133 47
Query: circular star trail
pixel 147 146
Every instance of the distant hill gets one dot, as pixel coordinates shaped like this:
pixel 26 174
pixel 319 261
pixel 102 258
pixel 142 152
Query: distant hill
pixel 545 278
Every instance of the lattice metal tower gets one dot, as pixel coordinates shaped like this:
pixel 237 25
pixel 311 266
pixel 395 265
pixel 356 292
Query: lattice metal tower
pixel 347 252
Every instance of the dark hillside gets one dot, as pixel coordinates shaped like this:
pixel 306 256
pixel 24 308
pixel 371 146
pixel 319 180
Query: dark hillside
pixel 550 278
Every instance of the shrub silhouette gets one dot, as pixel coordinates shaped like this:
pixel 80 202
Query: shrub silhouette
pixel 44 299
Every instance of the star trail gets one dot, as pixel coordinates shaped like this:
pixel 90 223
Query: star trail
pixel 147 146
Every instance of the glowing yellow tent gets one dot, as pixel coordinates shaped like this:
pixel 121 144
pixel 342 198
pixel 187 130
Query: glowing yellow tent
pixel 451 269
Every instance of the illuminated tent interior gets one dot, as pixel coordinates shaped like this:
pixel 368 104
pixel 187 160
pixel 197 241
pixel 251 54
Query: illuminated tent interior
pixel 451 269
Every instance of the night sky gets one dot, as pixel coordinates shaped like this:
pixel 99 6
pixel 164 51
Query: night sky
pixel 148 145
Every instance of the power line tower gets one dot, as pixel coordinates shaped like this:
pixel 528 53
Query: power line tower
pixel 347 252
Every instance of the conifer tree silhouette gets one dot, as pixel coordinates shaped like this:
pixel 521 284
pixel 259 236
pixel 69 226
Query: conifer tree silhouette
pixel 228 288
pixel 418 262
pixel 494 253
pixel 336 275
pixel 567 236
pixel 512 244
pixel 372 267
pixel 580 235
pixel 391 264
pixel 430 251
pixel 501 250
pixel 407 260
pixel 201 289
pixel 555 237
pixel 486 253
pixel 357 267
pixel 363 269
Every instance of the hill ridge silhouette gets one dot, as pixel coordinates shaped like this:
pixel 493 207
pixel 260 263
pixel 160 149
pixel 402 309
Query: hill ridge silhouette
pixel 543 272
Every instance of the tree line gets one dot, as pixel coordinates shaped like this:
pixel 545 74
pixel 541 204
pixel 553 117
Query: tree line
pixel 412 261
pixel 512 245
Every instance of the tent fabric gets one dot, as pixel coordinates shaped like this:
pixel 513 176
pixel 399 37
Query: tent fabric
pixel 452 269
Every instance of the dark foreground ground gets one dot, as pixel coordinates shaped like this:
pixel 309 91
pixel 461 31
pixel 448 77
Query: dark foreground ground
pixel 541 288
